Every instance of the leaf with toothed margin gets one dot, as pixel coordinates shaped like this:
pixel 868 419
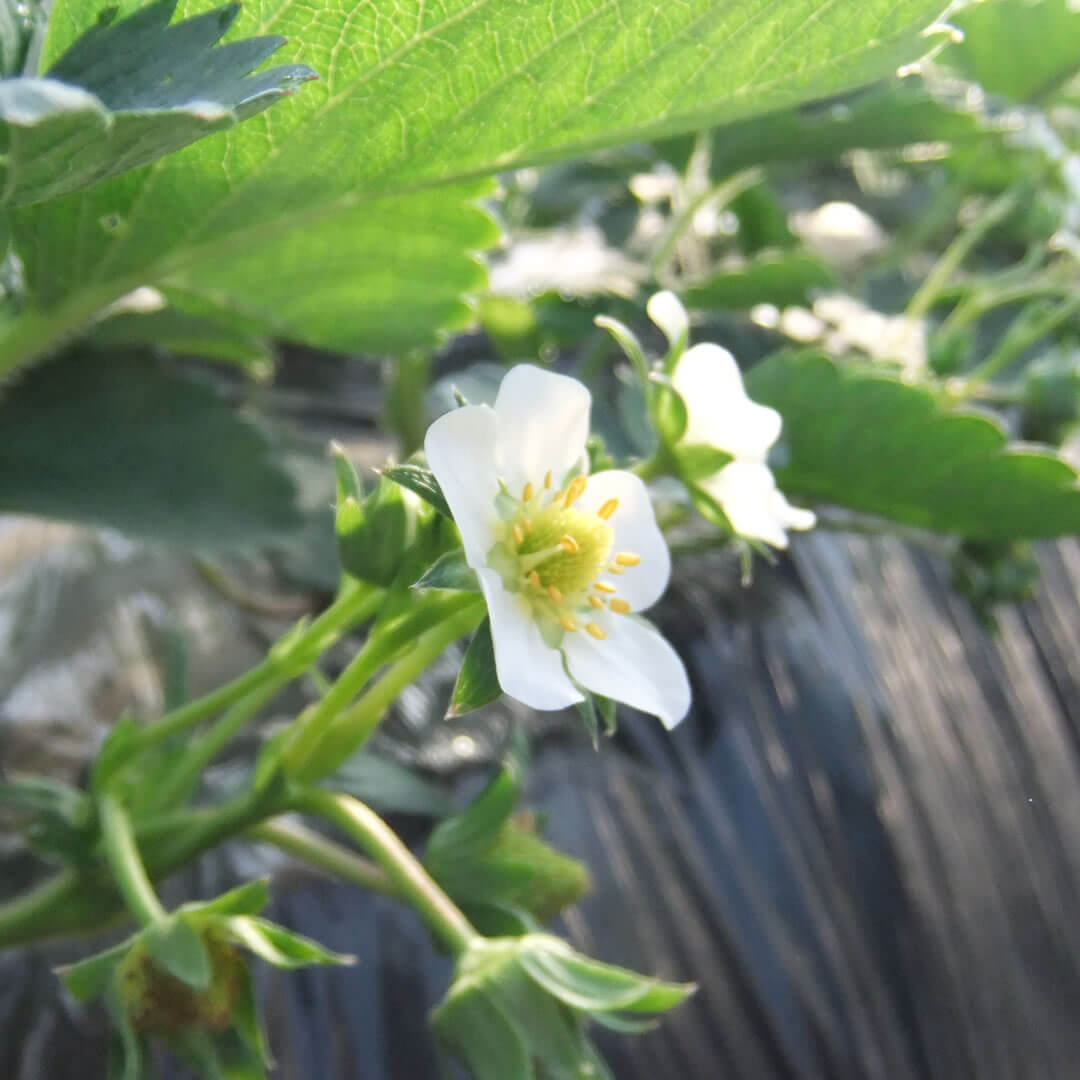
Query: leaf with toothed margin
pixel 348 217
pixel 128 92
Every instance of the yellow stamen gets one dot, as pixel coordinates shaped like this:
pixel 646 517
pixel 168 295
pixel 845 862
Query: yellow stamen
pixel 608 508
pixel 519 536
pixel 614 568
pixel 547 479
pixel 574 491
pixel 603 586
pixel 567 623
pixel 596 602
pixel 627 558
pixel 555 595
pixel 619 605
pixel 569 545
pixel 526 524
pixel 527 493
pixel 595 631
pixel 534 580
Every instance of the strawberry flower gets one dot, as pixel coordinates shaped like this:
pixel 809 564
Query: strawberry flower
pixel 720 414
pixel 565 560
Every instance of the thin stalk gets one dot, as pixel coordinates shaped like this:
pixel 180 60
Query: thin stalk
pixel 721 193
pixel 351 607
pixel 122 855
pixel 315 850
pixel 953 257
pixel 412 882
pixel 183 780
pixel 329 736
pixel 1014 342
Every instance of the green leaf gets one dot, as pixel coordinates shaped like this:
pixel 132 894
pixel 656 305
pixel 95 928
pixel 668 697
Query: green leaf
pixel 96 113
pixel 863 439
pixel 124 442
pixel 780 278
pixel 279 946
pixel 188 326
pixel 324 225
pixel 450 571
pixel 88 978
pixel 177 948
pixel 1024 50
pixel 477 682
pixel 420 481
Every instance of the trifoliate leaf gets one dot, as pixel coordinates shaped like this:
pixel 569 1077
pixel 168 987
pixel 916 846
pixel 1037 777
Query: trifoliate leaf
pixel 128 92
pixel 864 439
pixel 325 224
pixel 477 682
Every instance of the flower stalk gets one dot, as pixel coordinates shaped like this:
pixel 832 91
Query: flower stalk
pixel 411 881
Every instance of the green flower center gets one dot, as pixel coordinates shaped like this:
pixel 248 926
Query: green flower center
pixel 552 553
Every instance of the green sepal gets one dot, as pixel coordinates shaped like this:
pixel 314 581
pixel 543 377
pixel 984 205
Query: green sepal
pixel 177 948
pixel 668 411
pixel 420 481
pixel 450 571
pixel 697 461
pixel 277 946
pixel 486 858
pixel 627 340
pixel 477 682
pixel 87 979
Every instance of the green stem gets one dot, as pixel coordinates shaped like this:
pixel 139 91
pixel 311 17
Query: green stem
pixel 721 193
pixel 1020 337
pixel 122 855
pixel 316 850
pixel 288 659
pixel 329 737
pixel 953 257
pixel 185 777
pixel 410 879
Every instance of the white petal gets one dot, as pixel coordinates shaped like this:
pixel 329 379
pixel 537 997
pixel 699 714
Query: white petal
pixel 543 424
pixel 719 412
pixel 635 665
pixel 792 517
pixel 460 448
pixel 636 530
pixel 527 668
pixel 666 310
pixel 748 494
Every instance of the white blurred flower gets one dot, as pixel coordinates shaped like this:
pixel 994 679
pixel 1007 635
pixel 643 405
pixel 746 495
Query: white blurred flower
pixel 720 414
pixel 564 560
